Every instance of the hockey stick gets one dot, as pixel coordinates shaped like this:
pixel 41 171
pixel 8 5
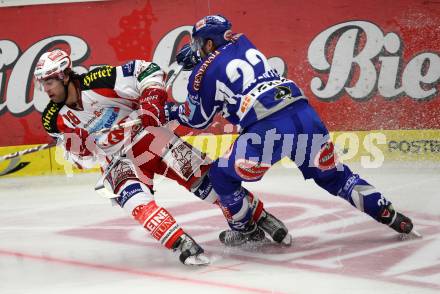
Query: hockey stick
pixel 27 151
pixel 14 164
pixel 52 144
pixel 171 77
pixel 15 157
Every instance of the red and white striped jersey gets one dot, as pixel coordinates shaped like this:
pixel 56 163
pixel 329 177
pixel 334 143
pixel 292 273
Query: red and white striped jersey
pixel 108 96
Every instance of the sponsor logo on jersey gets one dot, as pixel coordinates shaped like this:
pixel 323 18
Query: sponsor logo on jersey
pixel 49 117
pixel 99 73
pixel 202 69
pixel 246 103
pixel 153 67
pixel 106 120
pixel 128 192
pixel 204 189
pixel 161 225
pixel 157 219
pixel 94 102
pixel 282 92
pixel 128 69
pixel 121 172
pixel 194 99
pixel 97 114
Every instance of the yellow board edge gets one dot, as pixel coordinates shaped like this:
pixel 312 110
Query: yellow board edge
pixel 368 147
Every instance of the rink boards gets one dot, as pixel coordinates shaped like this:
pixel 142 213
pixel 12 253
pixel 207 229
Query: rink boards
pixel 370 148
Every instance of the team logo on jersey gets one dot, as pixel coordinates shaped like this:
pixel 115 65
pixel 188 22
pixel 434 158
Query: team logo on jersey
pixel 282 92
pixel 128 69
pixel 202 69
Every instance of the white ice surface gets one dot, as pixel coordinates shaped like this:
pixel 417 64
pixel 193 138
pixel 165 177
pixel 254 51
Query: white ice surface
pixel 58 236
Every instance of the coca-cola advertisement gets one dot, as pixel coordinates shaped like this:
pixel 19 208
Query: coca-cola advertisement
pixel 374 66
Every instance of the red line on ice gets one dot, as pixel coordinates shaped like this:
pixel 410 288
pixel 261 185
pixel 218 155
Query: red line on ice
pixel 133 272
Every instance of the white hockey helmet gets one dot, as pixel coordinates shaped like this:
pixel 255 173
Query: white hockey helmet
pixel 52 65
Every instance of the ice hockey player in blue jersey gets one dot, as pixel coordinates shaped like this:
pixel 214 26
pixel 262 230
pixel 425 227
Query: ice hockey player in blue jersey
pixel 232 77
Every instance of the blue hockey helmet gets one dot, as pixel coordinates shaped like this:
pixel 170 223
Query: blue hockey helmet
pixel 214 27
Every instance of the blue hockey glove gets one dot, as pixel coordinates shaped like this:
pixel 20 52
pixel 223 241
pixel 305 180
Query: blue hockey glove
pixel 187 58
pixel 171 111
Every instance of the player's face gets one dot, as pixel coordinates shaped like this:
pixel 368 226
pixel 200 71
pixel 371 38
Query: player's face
pixel 196 44
pixel 54 88
pixel 204 47
pixel 207 48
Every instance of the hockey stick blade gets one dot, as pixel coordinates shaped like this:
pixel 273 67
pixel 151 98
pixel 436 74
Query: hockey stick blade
pixel 172 75
pixel 13 164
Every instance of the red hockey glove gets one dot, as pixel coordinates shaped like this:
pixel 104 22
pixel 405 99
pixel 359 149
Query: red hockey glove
pixel 152 104
pixel 79 142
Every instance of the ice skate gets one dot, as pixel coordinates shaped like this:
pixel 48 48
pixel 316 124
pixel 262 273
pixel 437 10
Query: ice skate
pixel 275 229
pixel 190 252
pixel 234 238
pixel 398 222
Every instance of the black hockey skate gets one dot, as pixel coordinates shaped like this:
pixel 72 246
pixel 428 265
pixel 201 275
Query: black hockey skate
pixel 234 238
pixel 190 252
pixel 398 222
pixel 275 229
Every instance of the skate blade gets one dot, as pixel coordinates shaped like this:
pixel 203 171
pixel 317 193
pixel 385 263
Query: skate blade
pixel 287 241
pixel 199 259
pixel 254 244
pixel 411 235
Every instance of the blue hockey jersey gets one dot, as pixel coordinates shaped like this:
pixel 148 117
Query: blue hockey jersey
pixel 237 80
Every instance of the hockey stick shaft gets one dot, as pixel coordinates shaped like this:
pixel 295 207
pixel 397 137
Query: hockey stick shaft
pixel 27 151
pixel 49 145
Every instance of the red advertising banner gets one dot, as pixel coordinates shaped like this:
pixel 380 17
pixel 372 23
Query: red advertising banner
pixel 365 66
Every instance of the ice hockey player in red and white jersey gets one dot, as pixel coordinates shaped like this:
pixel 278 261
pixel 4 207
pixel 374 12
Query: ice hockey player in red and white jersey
pixel 81 105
